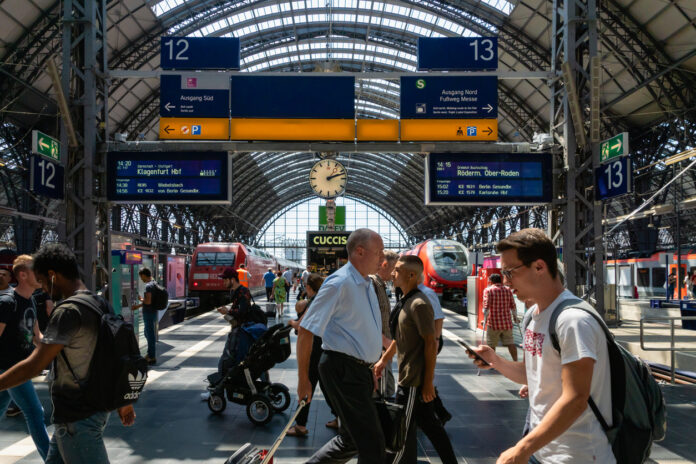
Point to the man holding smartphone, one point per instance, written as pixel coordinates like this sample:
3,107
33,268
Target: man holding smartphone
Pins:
562,427
412,327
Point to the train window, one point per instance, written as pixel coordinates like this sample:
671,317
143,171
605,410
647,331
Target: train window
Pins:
215,259
643,277
611,277
658,277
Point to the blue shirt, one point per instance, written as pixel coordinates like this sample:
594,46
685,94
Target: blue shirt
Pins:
434,301
268,278
345,314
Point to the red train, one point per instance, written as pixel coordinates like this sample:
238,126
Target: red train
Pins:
210,259
447,266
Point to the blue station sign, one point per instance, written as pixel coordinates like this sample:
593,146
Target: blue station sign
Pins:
194,95
293,97
168,178
457,53
46,178
445,97
488,179
199,53
613,178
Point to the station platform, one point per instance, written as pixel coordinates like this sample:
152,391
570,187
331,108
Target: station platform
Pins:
173,425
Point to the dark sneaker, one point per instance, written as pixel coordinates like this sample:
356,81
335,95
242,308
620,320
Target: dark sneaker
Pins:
13,411
150,360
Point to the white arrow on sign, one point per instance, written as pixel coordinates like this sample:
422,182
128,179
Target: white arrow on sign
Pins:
169,106
488,107
42,144
617,146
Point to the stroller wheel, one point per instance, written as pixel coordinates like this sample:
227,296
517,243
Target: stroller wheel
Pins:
259,410
217,403
280,397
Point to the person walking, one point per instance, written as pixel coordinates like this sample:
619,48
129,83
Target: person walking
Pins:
500,310
288,275
412,325
19,332
562,426
279,293
268,278
345,314
70,338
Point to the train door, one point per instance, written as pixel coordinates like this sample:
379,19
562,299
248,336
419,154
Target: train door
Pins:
680,281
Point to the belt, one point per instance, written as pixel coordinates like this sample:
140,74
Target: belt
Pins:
351,358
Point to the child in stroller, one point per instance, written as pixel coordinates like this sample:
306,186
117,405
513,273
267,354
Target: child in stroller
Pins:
240,380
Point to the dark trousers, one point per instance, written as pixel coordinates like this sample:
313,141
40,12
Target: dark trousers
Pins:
269,292
421,415
349,385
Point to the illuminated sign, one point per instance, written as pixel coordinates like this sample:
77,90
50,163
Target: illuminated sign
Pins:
169,178
449,130
129,256
488,178
194,129
449,97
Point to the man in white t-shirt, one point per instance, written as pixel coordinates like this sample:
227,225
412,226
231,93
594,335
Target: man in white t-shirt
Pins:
563,428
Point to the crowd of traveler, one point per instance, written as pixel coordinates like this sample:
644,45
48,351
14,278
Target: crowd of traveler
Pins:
347,335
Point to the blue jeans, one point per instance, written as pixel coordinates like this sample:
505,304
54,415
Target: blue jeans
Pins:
149,321
79,442
25,397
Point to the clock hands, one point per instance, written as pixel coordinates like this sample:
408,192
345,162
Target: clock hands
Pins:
334,175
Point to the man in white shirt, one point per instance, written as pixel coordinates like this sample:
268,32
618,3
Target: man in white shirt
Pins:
289,281
563,429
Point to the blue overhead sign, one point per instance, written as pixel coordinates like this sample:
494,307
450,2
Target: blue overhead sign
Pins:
46,177
449,97
488,179
613,178
457,53
168,178
199,53
195,95
293,97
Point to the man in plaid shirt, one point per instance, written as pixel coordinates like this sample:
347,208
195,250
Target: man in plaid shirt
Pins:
498,306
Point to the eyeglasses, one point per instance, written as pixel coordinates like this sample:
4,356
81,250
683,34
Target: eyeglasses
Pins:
507,273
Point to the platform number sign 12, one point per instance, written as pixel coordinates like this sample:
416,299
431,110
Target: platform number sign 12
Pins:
46,178
613,178
199,53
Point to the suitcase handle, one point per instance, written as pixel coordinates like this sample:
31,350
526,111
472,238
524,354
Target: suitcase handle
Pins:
279,440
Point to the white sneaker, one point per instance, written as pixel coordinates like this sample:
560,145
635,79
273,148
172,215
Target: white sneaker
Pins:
205,396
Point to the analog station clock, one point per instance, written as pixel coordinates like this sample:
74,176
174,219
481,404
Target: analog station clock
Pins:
328,178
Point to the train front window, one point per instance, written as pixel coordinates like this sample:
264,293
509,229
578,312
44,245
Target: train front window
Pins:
449,259
215,259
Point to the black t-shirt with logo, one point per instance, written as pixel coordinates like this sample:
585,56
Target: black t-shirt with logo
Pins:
151,288
19,316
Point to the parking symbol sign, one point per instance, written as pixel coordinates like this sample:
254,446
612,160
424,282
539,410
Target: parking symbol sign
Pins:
195,130
471,131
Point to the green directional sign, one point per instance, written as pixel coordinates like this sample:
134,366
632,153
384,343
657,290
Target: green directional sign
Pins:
615,146
45,145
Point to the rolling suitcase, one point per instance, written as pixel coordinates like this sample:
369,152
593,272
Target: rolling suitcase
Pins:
248,454
270,309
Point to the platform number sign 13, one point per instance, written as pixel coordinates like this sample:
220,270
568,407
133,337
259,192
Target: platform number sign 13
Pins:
46,177
614,178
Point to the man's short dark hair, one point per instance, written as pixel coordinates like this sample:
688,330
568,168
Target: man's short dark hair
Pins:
413,263
314,281
58,258
495,279
145,271
532,244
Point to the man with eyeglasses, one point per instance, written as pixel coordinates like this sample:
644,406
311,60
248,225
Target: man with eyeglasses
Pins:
562,426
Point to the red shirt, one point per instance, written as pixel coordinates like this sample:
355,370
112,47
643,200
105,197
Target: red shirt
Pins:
500,304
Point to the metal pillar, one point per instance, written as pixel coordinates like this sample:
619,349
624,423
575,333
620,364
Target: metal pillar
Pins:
84,67
576,223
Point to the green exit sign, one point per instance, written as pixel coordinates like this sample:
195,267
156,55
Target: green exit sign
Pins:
615,146
45,145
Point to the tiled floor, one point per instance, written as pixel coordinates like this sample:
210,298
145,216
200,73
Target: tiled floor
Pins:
174,425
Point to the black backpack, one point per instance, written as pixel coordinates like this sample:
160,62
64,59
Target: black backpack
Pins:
256,314
638,407
160,296
117,372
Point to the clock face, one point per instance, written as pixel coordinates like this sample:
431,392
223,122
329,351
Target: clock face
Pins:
328,178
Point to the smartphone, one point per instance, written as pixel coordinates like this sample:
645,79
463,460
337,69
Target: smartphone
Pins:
476,355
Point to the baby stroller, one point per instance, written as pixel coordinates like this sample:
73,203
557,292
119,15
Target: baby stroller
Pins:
242,383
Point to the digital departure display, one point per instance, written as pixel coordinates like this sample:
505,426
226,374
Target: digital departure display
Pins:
172,177
488,178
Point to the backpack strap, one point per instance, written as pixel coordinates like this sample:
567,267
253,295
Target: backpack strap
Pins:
577,303
86,301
